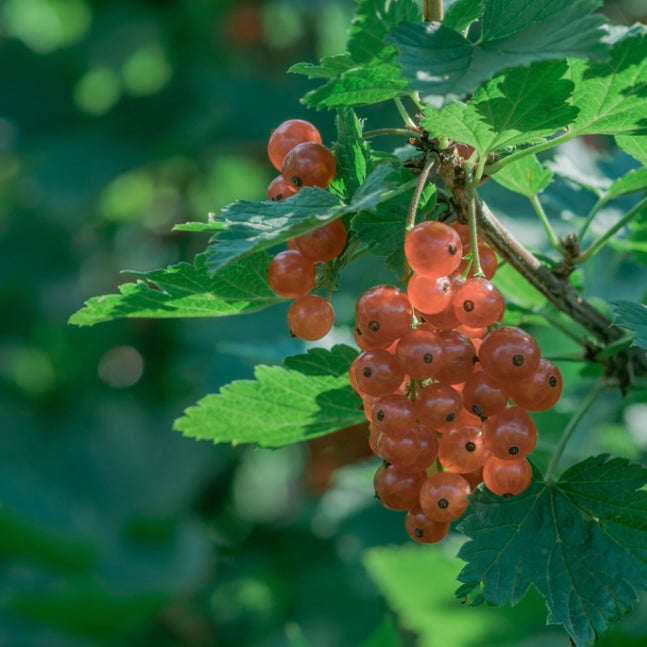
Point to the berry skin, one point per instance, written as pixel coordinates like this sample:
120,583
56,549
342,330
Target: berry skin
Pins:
393,414
433,249
509,354
324,243
288,135
507,478
437,405
539,391
487,260
461,449
309,164
401,451
420,353
378,372
459,357
478,303
443,496
422,529
429,295
383,314
280,190
483,395
290,274
310,317
511,434
395,489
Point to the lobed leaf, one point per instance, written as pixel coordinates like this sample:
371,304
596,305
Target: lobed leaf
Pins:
526,176
610,95
367,74
633,316
310,397
519,106
443,65
588,534
635,146
255,226
186,290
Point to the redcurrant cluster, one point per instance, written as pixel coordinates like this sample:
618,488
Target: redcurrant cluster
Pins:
445,387
296,150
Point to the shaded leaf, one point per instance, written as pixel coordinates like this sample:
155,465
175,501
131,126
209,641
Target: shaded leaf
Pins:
186,290
633,316
517,107
588,534
255,226
310,397
443,65
611,94
525,176
463,13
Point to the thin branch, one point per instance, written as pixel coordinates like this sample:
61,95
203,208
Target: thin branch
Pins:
612,231
579,413
539,210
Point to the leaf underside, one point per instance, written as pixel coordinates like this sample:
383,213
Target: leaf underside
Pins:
581,542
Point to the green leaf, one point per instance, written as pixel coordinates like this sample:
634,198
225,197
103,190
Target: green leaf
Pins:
359,86
525,176
635,146
463,13
610,95
367,74
186,290
587,535
517,107
255,226
632,182
373,20
310,397
353,156
632,316
444,66
381,225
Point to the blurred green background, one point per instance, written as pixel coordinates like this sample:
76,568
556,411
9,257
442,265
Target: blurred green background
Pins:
118,120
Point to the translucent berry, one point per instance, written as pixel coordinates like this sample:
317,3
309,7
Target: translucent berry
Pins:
393,414
478,303
459,357
507,478
443,496
487,260
509,354
395,489
309,164
286,136
429,295
310,317
383,314
461,449
423,529
279,189
433,249
510,434
483,395
540,390
378,372
324,243
420,353
437,404
290,274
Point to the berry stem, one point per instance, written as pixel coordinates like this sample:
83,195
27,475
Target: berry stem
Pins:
539,210
474,245
406,132
409,122
579,413
558,290
612,231
415,200
531,150
433,10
